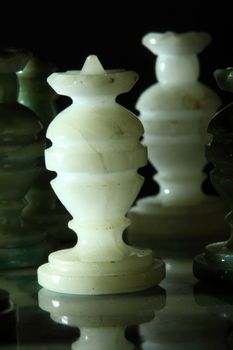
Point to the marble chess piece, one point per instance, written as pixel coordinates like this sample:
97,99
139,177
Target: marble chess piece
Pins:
175,113
96,153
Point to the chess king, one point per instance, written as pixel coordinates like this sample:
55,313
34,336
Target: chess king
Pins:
96,153
175,113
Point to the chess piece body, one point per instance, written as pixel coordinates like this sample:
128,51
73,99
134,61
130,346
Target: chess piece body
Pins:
42,209
96,153
216,263
175,113
20,150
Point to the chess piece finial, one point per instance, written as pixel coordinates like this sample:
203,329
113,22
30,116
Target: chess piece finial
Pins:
102,320
42,209
21,244
175,113
92,65
96,153
216,263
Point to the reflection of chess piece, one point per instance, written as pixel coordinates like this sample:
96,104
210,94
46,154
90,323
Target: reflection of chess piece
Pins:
20,243
7,320
182,324
22,286
42,209
217,304
96,153
216,263
175,113
102,319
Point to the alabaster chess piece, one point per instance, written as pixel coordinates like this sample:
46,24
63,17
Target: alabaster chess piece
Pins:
96,153
175,113
216,263
102,320
43,209
20,150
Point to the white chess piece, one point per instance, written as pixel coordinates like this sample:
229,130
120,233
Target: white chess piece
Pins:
96,153
175,113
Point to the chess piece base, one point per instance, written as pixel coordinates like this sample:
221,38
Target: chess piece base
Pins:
27,256
167,228
66,274
216,271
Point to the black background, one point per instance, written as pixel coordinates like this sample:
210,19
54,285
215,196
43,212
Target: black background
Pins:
66,32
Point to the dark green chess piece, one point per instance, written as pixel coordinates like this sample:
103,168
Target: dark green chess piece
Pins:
20,154
216,263
43,209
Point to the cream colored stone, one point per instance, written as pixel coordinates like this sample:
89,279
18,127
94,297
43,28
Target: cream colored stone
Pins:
96,153
175,113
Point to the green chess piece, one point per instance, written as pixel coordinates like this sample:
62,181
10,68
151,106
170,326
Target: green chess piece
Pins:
43,209
20,153
216,263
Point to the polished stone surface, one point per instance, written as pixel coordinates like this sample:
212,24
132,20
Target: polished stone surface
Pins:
180,314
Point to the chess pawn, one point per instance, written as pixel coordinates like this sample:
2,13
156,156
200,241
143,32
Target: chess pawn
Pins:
96,153
42,209
175,113
216,263
20,243
102,320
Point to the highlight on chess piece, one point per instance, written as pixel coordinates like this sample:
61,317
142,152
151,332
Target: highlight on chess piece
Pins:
42,209
102,320
216,263
175,113
96,153
21,244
